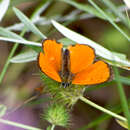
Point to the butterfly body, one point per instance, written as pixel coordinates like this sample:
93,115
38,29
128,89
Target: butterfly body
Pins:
72,65
65,73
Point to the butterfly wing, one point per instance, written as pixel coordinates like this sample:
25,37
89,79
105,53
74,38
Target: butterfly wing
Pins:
81,56
96,73
50,61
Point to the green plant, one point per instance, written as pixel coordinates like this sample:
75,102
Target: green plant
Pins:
68,96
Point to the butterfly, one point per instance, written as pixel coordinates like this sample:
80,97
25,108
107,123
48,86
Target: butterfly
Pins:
72,65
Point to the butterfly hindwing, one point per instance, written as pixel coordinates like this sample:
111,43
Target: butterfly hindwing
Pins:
96,73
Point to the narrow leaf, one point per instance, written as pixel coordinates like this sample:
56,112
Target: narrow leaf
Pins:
101,51
25,57
122,123
6,33
88,9
34,18
41,9
28,23
3,8
16,27
127,2
116,11
20,41
2,110
109,19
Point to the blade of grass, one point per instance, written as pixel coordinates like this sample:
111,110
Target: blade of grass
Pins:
3,8
41,8
88,9
35,17
28,23
127,2
24,57
116,11
103,14
109,19
6,33
122,123
20,41
122,97
3,109
45,21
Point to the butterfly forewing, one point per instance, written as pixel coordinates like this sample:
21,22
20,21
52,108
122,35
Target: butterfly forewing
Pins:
52,51
50,59
81,56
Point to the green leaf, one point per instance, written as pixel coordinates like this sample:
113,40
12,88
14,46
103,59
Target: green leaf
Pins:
127,2
6,33
28,23
20,41
122,56
116,11
88,9
34,18
41,9
122,123
2,110
24,57
3,8
109,19
101,51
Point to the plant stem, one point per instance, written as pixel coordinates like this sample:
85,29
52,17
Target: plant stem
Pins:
18,125
53,126
9,57
124,103
102,109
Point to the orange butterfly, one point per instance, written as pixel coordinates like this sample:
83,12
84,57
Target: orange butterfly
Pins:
74,64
